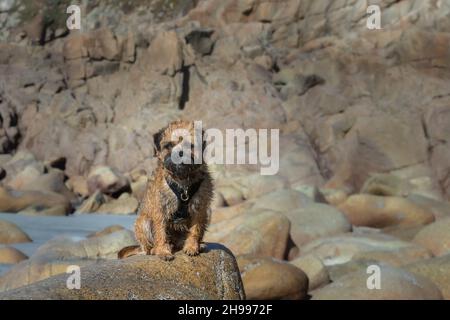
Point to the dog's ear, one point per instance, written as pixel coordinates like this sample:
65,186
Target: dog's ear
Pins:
157,139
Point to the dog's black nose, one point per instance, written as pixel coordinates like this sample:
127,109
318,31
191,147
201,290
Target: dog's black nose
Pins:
181,153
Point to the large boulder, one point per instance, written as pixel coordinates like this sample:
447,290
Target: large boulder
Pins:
54,256
435,237
107,180
22,161
437,270
395,284
379,212
211,275
100,247
249,184
261,233
125,204
105,231
314,269
53,182
394,258
78,185
314,221
280,201
386,185
15,201
10,255
440,209
344,248
92,203
11,233
268,278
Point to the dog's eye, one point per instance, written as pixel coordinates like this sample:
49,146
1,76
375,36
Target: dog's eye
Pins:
167,145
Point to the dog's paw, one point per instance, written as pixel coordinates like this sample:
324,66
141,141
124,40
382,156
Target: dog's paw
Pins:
162,252
167,257
191,249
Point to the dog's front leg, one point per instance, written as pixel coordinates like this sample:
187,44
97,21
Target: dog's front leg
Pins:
199,212
162,246
195,234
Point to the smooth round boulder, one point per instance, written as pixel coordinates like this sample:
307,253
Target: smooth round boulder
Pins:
78,185
268,278
106,231
383,184
281,201
55,255
231,195
316,220
10,255
107,180
126,204
344,248
437,270
11,233
435,237
262,233
314,269
380,212
213,274
16,201
334,196
394,284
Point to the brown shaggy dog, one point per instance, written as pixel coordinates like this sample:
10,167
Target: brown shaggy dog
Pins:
174,213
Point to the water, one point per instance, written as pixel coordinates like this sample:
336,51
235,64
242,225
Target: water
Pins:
42,229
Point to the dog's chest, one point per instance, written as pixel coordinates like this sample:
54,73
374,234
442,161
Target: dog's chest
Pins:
176,211
181,201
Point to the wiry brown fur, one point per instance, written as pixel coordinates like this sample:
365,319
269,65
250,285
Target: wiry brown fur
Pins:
154,231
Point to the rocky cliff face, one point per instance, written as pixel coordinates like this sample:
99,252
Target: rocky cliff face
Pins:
350,101
359,111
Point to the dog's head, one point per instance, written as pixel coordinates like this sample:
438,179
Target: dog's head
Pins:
175,147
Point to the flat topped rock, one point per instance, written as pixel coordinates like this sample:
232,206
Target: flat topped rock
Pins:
211,275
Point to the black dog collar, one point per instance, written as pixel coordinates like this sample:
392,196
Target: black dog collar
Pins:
184,195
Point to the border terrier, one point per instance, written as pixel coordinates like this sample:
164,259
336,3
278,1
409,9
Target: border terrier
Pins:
174,212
